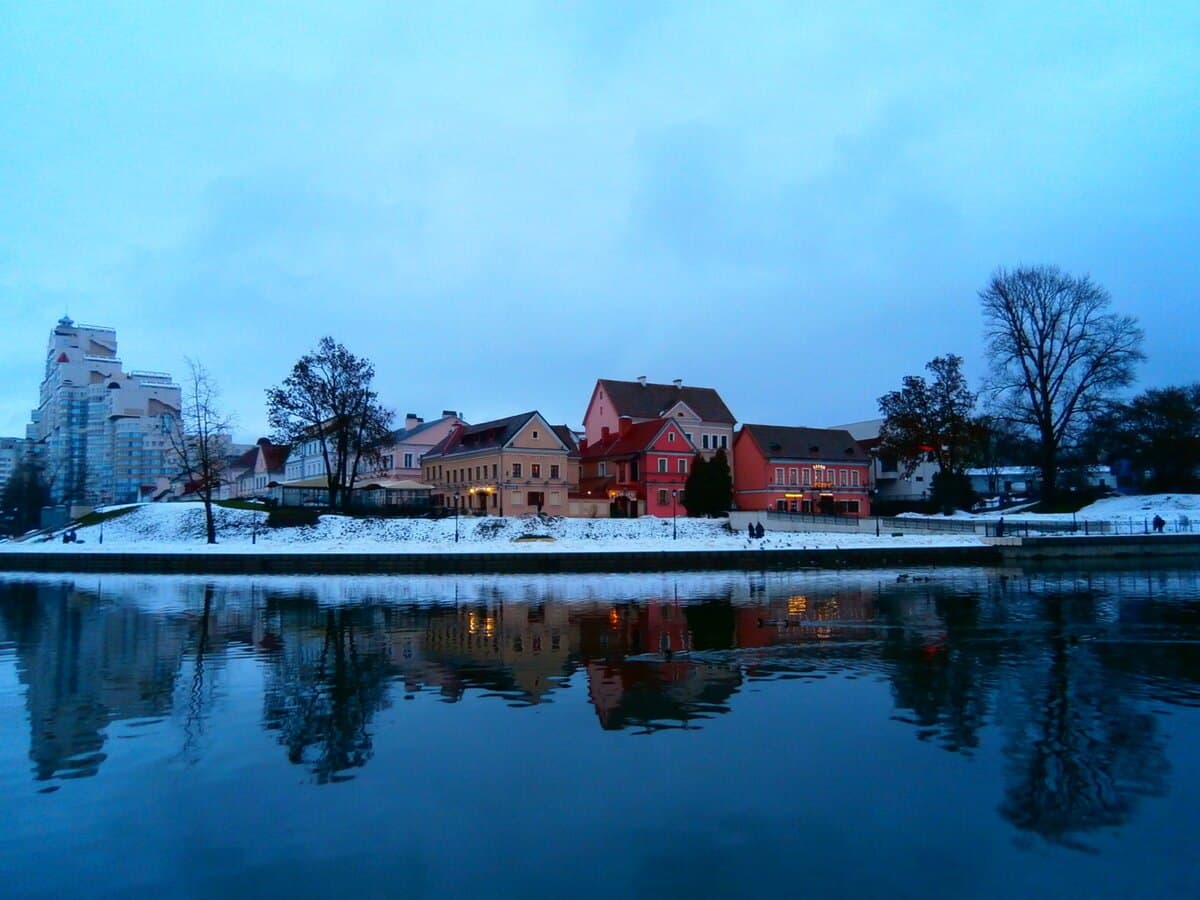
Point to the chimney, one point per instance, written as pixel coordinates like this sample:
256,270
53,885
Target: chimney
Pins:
411,421
582,444
678,382
449,414
604,433
623,425
642,380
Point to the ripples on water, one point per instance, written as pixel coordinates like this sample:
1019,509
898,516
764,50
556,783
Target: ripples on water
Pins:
1058,686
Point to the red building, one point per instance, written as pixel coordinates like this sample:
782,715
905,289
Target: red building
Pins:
812,470
641,467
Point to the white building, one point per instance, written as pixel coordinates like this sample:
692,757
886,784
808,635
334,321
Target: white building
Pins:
887,475
105,434
11,452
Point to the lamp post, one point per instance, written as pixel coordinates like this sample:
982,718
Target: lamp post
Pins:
456,517
674,531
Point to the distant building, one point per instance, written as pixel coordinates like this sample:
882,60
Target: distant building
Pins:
104,434
401,458
887,473
12,450
700,412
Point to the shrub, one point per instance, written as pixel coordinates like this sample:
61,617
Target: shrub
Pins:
292,517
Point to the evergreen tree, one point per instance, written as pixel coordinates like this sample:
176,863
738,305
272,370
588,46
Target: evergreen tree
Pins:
25,493
721,484
695,488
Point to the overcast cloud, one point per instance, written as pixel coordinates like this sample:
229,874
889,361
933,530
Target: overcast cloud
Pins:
499,203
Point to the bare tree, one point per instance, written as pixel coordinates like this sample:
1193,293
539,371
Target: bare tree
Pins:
328,398
201,442
1055,353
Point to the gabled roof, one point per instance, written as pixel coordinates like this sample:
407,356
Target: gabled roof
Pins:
275,455
407,434
567,436
651,401
794,442
494,435
637,439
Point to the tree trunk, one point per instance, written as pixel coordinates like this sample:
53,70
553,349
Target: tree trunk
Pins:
1049,469
210,526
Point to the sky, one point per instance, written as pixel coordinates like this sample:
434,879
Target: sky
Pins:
498,203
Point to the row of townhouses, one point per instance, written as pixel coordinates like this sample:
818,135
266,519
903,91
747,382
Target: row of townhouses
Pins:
632,458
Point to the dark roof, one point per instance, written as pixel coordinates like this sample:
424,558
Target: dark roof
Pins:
275,455
567,436
406,434
650,401
636,439
788,442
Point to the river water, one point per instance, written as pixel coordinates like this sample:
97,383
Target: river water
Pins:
958,733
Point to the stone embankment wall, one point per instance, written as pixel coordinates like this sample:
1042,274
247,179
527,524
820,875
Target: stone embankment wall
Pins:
495,563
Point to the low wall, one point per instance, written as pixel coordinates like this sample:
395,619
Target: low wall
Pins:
495,563
1159,546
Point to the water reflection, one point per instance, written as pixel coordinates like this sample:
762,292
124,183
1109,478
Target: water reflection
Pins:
1064,673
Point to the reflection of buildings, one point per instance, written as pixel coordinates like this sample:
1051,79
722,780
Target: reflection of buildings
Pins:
661,685
85,665
521,650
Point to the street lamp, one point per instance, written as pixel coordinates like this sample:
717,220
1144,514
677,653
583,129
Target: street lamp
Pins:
674,531
456,517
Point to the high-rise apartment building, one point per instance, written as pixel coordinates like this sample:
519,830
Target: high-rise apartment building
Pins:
104,434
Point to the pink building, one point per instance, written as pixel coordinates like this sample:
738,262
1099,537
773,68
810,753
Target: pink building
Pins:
700,412
641,467
809,470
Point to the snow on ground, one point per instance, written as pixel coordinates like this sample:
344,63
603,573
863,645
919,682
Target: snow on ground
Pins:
179,528
1110,509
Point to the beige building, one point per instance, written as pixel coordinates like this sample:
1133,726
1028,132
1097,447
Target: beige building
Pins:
507,467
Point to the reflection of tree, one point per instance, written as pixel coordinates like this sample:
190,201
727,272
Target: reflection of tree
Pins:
329,679
1079,753
942,670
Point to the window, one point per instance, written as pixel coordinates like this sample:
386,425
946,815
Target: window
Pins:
854,478
535,470
779,475
704,441
793,476
682,464
806,476
516,470
408,461
670,437
603,468
553,470
843,477
535,436
493,470
662,464
724,442
781,505
688,435
663,499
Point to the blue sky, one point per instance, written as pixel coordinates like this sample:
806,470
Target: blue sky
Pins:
500,202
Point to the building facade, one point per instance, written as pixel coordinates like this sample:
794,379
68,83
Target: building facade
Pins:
104,433
801,470
700,412
640,467
507,467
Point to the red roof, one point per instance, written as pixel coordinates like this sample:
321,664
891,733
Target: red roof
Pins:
637,438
